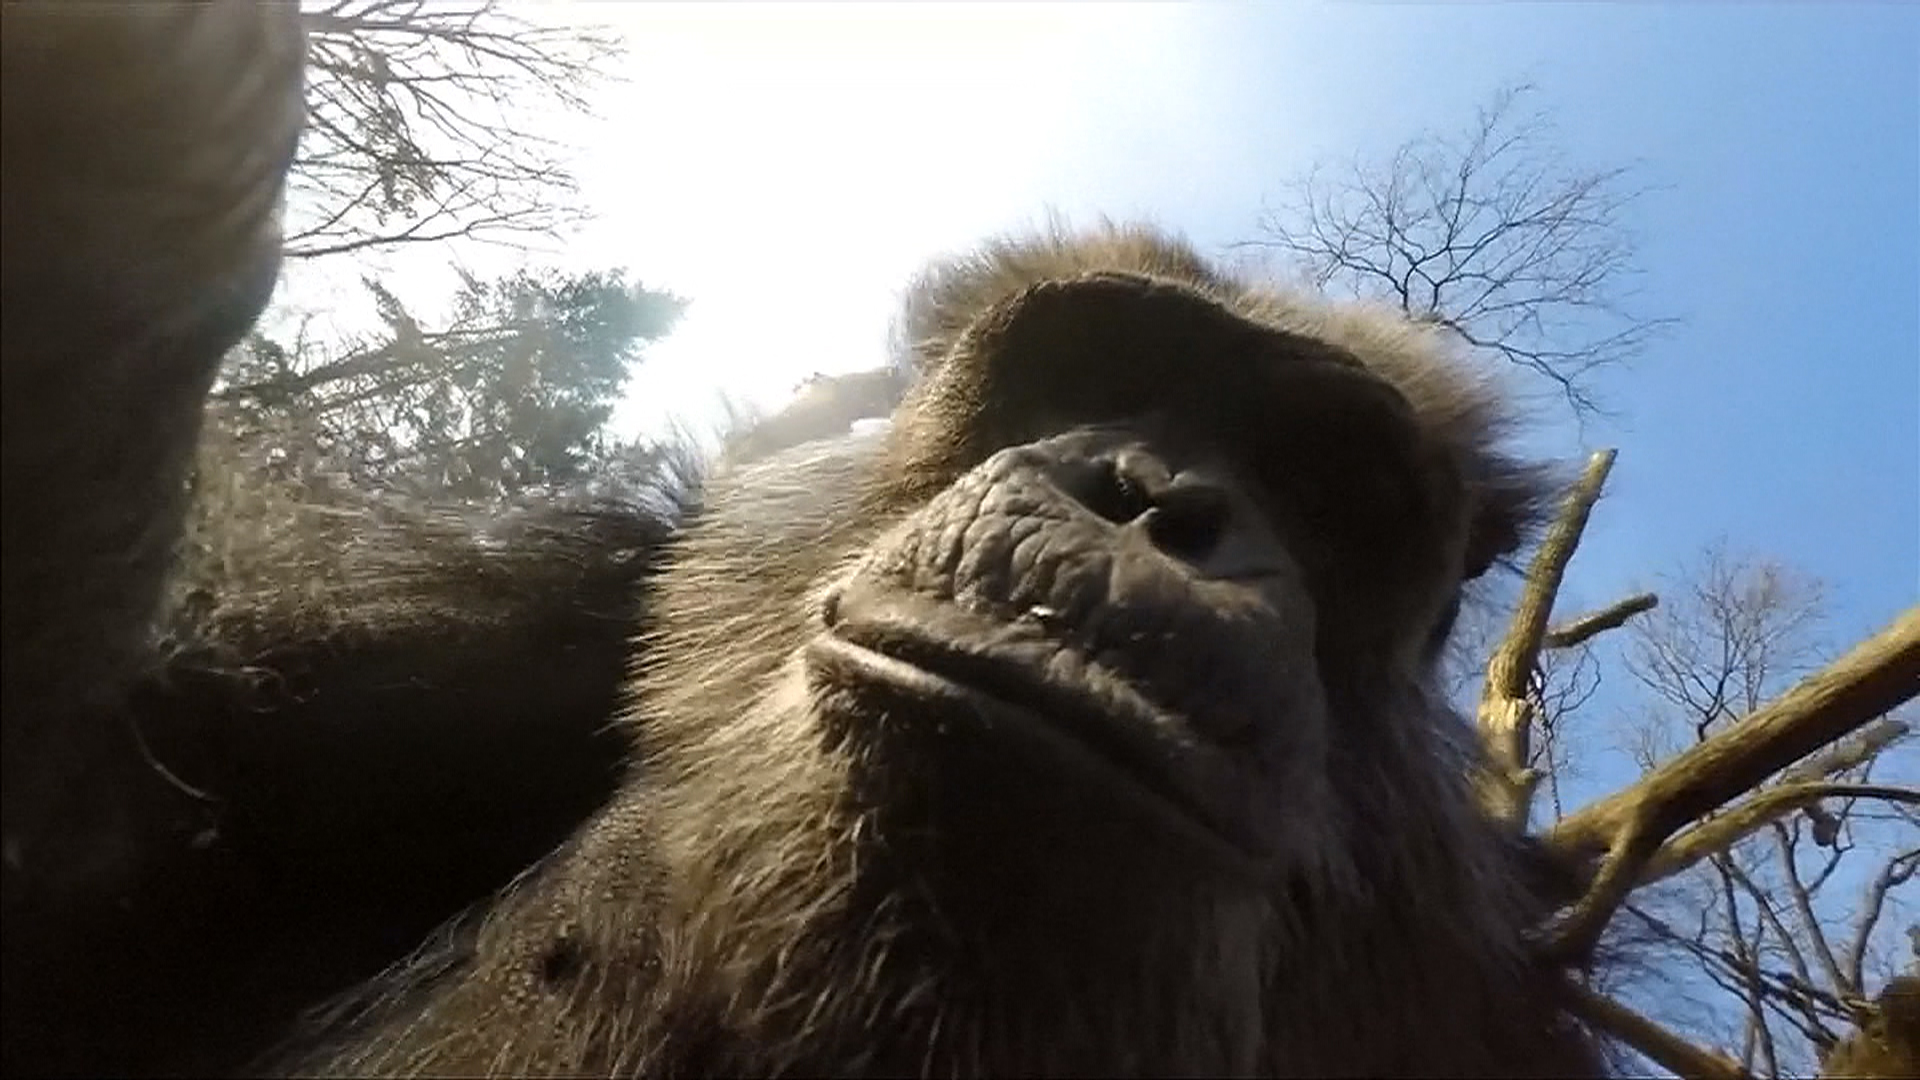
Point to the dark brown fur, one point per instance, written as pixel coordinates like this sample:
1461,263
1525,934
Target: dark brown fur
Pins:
1887,1045
244,772
798,888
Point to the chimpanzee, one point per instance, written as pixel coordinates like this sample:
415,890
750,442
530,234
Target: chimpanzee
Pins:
1082,721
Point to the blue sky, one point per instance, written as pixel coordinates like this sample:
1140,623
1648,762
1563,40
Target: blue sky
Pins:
787,167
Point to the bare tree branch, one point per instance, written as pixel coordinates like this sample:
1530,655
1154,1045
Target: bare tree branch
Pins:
1801,895
1489,235
1662,1047
1748,974
1869,681
1898,871
1719,833
1506,705
1850,753
1874,677
420,124
1578,630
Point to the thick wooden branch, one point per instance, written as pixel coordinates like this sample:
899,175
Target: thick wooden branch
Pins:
1876,676
1871,680
1662,1047
1861,748
1722,832
1795,788
1574,631
1506,710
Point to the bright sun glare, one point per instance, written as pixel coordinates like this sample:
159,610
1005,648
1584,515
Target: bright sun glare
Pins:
786,168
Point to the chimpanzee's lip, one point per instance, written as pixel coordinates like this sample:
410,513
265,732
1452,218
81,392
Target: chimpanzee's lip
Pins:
1111,732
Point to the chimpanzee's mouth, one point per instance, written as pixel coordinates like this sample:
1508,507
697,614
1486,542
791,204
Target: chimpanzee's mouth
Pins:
935,656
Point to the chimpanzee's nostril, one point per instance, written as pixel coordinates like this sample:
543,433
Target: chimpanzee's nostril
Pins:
1113,491
1184,516
1188,519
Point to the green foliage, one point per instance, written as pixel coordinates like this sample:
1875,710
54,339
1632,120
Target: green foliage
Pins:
513,392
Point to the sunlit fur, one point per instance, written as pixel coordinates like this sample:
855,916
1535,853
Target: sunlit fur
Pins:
730,913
